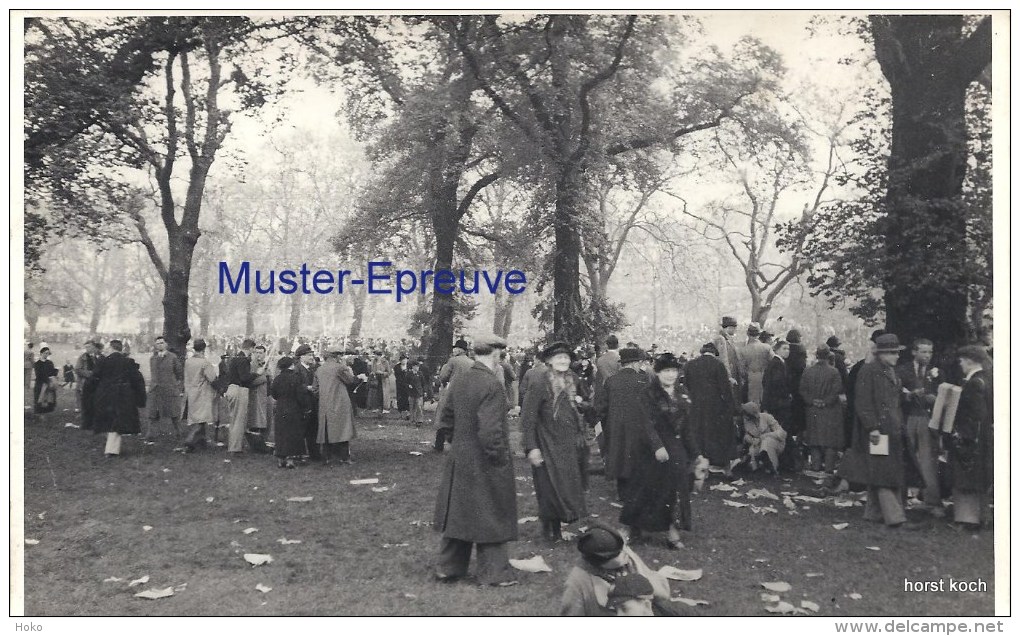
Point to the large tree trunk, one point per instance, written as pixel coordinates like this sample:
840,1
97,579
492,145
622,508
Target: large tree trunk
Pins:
175,292
96,313
295,316
359,311
203,311
928,65
568,319
445,226
503,314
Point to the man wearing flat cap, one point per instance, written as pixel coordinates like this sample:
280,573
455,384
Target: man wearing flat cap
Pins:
457,364
618,407
727,349
476,504
877,455
306,367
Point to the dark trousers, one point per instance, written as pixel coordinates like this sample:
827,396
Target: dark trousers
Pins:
338,450
196,435
624,490
312,434
443,435
493,563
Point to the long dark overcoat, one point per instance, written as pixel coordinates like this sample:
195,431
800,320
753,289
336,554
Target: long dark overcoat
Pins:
477,498
712,408
970,450
119,393
292,402
618,407
552,424
877,396
821,382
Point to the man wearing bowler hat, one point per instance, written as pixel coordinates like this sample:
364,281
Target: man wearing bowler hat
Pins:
457,364
619,408
877,455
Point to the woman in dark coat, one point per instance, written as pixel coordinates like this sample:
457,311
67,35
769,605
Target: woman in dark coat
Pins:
554,442
662,489
293,402
45,393
400,376
970,447
119,393
776,393
712,407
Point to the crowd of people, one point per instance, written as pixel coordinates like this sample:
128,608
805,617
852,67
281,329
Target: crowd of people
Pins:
653,422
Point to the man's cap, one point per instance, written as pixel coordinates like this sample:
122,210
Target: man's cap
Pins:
709,347
461,344
600,543
729,321
888,343
631,354
833,342
302,350
631,586
489,340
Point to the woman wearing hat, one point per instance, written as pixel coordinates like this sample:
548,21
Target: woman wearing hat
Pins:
45,394
970,447
554,441
763,435
292,402
605,560
667,448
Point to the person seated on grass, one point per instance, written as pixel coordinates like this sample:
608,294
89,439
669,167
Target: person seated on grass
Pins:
605,560
764,438
631,596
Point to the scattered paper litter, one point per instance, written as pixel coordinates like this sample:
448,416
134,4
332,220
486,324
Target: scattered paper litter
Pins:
739,482
761,560
31,541
789,503
380,489
250,530
220,444
777,586
527,519
782,607
756,493
677,574
395,545
693,602
808,499
615,505
146,528
769,598
144,579
568,536
263,588
735,504
71,425
855,596
715,469
814,474
415,453
226,461
840,526
258,559
810,605
534,564
812,575
288,541
166,470
410,596
156,593
872,547
299,498
209,499
722,487
789,493
361,482
181,587
113,579
764,510
41,514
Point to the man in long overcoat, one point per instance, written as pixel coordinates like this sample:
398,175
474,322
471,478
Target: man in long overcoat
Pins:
119,393
970,448
457,364
877,413
336,413
477,500
618,405
712,407
166,373
199,374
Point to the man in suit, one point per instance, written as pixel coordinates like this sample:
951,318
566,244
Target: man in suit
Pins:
919,390
727,349
458,363
239,378
619,408
753,360
608,364
306,369
971,450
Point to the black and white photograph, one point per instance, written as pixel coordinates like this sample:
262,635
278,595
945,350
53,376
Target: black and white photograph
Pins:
507,313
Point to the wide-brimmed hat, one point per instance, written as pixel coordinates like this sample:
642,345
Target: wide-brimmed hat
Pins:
667,361
557,347
631,354
888,343
600,543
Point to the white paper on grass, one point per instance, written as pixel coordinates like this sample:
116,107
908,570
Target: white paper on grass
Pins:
735,504
181,587
362,482
71,425
872,547
757,493
789,503
777,586
769,598
31,541
808,499
677,574
299,498
113,579
250,530
840,526
615,505
146,528
693,602
144,579
415,453
722,487
810,605
739,482
395,545
568,536
288,541
782,607
855,596
209,499
764,510
263,588
812,575
380,489
527,519
534,564
258,559
156,593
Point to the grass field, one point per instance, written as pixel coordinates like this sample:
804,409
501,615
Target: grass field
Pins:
87,514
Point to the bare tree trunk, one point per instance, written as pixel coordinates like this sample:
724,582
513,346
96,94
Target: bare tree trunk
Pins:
359,312
249,318
295,316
